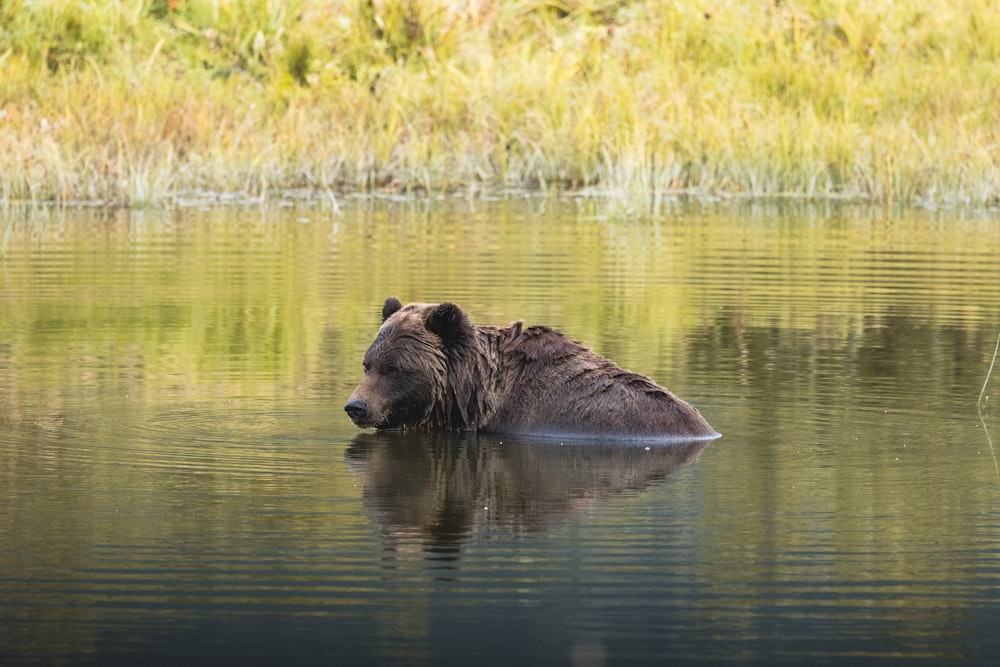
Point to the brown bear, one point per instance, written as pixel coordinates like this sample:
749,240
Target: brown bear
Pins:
430,367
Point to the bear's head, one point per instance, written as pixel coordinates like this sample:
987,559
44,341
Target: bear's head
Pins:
406,368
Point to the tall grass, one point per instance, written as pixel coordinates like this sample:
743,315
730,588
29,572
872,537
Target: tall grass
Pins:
135,102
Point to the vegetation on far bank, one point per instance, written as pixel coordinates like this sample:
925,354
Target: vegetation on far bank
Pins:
131,102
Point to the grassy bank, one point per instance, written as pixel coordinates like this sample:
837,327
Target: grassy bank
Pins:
132,102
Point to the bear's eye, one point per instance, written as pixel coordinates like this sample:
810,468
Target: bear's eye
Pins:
391,368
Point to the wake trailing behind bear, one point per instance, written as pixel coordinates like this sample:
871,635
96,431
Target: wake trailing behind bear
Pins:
429,367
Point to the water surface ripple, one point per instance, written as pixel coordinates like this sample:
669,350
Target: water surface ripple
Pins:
178,482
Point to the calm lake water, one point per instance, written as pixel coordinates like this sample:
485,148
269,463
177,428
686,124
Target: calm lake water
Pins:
179,483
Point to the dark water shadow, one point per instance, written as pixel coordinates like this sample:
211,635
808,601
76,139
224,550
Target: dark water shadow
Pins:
436,488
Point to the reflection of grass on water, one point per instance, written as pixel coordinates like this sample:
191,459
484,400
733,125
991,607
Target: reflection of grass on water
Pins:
132,101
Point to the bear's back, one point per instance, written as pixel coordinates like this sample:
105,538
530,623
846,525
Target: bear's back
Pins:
554,385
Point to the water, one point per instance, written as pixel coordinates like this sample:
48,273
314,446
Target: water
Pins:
179,483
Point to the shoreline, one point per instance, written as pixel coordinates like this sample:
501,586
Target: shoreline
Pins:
588,204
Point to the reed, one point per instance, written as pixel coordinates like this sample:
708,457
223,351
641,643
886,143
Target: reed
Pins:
983,397
136,102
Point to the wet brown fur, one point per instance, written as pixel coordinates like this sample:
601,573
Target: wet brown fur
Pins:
429,367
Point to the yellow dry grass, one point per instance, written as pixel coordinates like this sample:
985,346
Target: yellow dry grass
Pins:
136,102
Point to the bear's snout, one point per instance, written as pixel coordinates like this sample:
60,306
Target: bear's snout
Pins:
357,410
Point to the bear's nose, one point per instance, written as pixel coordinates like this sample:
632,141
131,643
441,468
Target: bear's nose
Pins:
356,409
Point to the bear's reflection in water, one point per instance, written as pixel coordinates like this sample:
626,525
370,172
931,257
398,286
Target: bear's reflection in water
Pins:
433,489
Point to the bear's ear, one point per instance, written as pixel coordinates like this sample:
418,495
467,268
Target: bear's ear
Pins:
449,322
391,305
